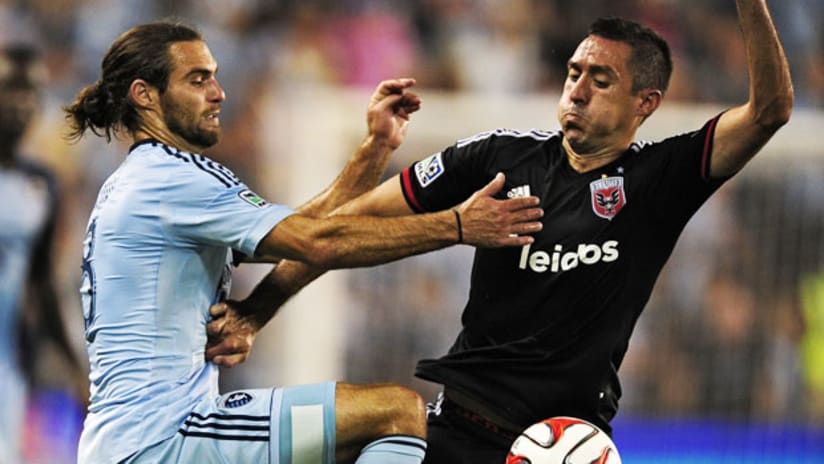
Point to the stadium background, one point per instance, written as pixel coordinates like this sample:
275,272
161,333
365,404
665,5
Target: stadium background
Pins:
727,363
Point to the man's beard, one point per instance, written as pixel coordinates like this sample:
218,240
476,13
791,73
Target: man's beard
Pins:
175,117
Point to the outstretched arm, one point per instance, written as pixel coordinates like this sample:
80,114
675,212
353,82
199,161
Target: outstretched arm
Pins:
366,240
387,120
744,130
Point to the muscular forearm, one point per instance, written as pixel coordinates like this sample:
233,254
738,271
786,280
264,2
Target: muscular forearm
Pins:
387,118
355,241
771,91
742,131
276,288
361,173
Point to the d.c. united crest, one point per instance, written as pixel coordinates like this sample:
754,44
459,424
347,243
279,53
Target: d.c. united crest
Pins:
608,196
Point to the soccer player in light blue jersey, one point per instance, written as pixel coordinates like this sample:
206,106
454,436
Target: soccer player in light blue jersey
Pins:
29,312
168,226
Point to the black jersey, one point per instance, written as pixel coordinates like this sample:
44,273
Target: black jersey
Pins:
547,325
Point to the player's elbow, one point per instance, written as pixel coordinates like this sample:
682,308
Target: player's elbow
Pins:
323,254
305,239
318,246
776,112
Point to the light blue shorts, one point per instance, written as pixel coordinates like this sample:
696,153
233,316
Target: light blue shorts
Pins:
269,425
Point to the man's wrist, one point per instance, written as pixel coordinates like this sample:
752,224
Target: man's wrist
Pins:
377,143
253,313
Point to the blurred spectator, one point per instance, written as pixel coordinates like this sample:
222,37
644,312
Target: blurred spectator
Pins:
32,336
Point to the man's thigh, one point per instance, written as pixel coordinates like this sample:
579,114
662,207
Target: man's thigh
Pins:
274,425
453,440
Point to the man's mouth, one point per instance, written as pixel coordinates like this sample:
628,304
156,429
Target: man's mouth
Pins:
573,120
572,114
214,116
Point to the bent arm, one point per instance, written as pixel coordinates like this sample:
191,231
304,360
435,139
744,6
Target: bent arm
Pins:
290,276
340,241
354,241
349,241
387,119
744,130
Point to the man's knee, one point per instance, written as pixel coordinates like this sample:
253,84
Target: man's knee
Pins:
408,414
381,410
365,413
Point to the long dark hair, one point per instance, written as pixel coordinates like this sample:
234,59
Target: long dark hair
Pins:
139,53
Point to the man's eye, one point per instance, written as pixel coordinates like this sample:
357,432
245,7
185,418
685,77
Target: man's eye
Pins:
601,84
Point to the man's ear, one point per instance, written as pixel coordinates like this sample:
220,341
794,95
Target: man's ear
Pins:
143,94
650,100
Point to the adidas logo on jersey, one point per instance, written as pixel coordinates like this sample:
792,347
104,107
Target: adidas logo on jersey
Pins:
519,192
558,261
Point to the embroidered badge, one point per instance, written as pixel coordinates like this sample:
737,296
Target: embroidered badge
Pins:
237,399
252,198
429,169
608,196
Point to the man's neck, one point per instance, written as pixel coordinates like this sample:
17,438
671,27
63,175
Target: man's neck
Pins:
166,139
582,163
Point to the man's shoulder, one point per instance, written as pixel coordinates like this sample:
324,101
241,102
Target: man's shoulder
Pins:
177,162
511,136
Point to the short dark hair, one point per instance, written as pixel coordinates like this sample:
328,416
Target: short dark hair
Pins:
142,52
650,63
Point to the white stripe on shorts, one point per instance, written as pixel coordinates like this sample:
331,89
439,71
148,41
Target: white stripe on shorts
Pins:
307,432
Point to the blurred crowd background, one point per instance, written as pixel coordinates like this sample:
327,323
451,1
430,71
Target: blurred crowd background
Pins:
735,328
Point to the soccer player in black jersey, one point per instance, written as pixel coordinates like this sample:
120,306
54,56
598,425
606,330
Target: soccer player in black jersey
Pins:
547,326
30,316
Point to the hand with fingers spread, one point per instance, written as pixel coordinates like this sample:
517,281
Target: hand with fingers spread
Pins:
489,222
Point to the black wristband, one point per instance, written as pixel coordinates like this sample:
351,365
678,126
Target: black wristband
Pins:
460,228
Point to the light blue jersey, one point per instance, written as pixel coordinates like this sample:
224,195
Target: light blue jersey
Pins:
26,209
156,255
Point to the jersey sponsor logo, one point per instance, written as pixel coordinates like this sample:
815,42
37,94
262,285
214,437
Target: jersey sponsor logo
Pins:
608,196
519,192
252,198
559,261
429,169
237,399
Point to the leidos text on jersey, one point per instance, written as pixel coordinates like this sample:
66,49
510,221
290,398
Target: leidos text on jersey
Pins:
586,253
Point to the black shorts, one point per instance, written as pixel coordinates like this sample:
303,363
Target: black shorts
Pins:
456,436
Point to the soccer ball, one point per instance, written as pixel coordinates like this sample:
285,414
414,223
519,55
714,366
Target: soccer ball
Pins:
563,440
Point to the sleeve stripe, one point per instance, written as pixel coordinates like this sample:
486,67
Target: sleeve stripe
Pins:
706,156
408,193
